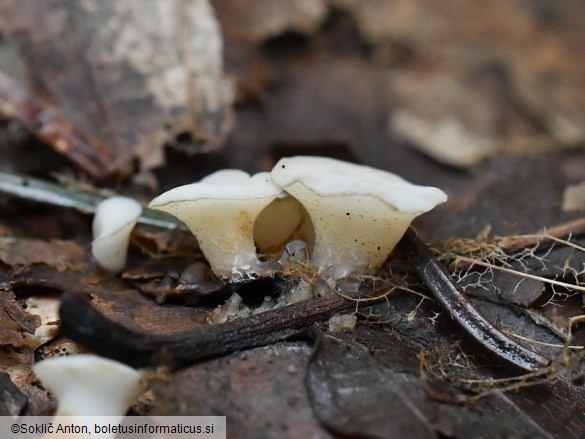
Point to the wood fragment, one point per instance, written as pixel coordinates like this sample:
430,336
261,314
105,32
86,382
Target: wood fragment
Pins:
81,322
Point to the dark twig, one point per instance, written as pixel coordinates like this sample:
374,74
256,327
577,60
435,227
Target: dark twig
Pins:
462,311
81,322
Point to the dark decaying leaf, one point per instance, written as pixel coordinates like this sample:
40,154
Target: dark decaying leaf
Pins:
370,390
352,395
42,278
260,392
560,408
132,75
12,401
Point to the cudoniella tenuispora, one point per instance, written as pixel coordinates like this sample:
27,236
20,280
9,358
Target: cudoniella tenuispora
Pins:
220,210
88,385
114,219
351,216
358,213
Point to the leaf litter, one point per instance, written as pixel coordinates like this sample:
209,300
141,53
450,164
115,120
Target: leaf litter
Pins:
401,326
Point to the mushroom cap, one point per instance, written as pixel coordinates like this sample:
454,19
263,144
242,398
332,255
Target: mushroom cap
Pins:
89,385
113,222
227,184
329,177
220,211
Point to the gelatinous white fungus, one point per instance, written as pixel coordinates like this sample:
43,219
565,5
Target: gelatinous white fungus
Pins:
87,385
220,210
113,222
358,213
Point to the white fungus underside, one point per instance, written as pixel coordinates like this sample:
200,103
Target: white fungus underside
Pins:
354,234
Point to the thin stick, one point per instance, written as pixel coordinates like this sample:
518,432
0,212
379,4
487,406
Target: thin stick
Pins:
81,322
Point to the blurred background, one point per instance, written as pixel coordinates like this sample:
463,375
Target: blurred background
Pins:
485,102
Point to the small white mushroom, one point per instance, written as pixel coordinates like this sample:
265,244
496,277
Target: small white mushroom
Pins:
113,222
86,385
220,211
358,213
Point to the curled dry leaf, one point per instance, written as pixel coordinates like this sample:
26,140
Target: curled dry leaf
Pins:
134,75
51,127
63,255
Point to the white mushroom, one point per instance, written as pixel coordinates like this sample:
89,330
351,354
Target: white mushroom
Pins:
220,211
358,213
113,222
86,385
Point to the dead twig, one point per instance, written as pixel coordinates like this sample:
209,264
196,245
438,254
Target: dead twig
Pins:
81,322
462,311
